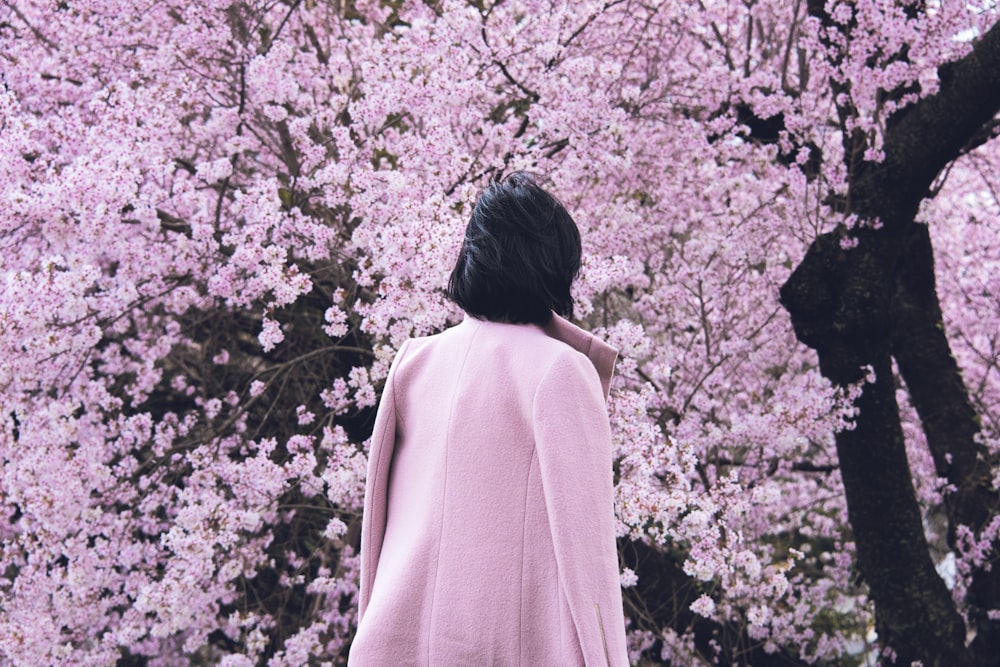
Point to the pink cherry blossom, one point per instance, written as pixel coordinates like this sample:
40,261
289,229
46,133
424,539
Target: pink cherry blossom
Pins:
222,219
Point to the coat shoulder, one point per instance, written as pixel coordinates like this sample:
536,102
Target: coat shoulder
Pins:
525,345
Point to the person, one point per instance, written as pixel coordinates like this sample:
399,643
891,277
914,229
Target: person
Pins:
488,534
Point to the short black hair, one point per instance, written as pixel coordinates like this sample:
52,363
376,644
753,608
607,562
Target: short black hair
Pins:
520,255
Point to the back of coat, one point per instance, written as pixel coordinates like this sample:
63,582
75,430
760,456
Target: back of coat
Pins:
488,536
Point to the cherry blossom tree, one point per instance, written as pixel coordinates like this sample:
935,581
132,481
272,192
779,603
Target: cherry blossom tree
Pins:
222,218
872,300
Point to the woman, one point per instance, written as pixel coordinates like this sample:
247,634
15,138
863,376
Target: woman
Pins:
488,533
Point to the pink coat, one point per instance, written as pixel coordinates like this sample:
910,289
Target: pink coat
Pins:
488,531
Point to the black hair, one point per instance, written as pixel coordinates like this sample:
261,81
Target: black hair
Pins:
520,255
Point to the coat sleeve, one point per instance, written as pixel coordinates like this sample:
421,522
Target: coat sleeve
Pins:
573,445
380,452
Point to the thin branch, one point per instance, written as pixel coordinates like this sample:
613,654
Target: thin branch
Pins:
48,43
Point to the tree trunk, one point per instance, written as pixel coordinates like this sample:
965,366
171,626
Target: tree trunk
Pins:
839,303
950,423
856,308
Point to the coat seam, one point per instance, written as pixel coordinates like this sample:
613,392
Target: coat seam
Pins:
402,353
369,584
394,413
604,639
524,530
444,491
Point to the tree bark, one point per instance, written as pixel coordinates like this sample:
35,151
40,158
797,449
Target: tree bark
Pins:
860,307
950,423
839,303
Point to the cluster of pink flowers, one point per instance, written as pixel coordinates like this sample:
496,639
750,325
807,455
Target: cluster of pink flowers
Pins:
222,219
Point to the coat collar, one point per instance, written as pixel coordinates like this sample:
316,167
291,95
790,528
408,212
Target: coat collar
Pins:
602,355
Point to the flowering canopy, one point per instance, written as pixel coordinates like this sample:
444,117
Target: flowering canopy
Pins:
221,219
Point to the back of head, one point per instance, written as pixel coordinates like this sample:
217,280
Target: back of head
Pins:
520,255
